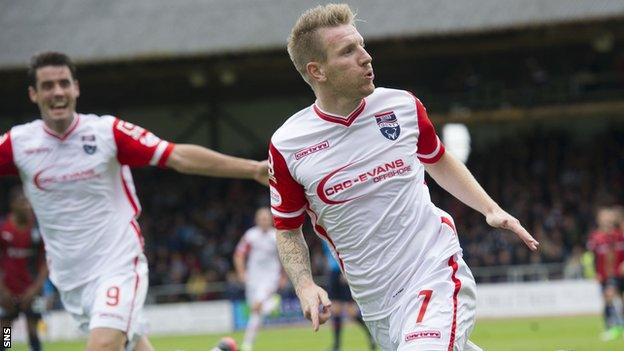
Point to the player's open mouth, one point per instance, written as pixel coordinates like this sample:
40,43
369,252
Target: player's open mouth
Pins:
370,75
59,106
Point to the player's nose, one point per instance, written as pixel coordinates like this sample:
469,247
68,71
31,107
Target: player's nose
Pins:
57,89
366,58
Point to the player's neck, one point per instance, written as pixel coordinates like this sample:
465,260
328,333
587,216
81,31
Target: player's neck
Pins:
339,106
59,126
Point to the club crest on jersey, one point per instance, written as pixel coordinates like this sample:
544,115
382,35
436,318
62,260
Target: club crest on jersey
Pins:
89,149
89,145
388,125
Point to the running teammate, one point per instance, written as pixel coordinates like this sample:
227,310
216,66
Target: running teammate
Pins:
257,265
75,171
355,162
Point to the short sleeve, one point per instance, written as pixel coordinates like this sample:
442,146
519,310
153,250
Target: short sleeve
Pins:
287,196
138,147
7,165
243,247
429,148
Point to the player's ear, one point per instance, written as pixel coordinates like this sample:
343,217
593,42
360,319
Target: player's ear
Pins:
77,87
32,94
315,71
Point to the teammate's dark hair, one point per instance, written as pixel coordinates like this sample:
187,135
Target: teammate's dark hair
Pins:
48,58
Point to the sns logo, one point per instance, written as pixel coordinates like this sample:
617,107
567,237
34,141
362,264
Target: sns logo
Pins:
4,138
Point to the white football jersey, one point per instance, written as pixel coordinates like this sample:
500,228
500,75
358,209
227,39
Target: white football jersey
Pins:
82,192
263,263
361,180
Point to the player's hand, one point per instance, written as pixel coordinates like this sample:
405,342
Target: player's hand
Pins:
262,172
503,220
315,304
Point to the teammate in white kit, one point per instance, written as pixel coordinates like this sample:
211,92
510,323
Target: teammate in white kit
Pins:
257,265
355,162
75,172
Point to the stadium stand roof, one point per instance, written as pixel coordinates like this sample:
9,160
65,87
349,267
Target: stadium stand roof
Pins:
93,31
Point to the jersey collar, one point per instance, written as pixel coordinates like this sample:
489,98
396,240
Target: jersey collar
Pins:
345,121
69,130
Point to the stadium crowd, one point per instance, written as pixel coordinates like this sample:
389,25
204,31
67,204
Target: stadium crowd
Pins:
551,181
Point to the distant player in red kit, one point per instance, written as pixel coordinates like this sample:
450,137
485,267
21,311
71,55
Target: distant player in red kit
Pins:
21,253
606,242
75,169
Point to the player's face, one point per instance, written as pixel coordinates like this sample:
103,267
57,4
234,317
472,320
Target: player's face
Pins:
55,93
348,67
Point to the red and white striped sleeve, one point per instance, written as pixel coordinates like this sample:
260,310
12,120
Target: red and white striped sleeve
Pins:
138,147
7,165
429,148
288,199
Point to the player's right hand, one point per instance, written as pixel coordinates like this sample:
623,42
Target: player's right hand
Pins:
315,305
503,220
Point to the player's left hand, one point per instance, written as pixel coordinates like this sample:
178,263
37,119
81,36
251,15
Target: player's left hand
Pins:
501,219
262,173
315,304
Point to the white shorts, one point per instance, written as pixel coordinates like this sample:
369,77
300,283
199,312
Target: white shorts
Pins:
260,291
437,313
114,300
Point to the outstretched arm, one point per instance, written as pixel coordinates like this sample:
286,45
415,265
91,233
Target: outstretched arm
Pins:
295,257
454,177
195,159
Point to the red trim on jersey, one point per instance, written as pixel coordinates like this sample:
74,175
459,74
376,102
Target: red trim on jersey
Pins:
126,189
162,163
453,264
291,194
136,146
7,165
69,130
428,140
448,222
136,287
137,229
322,233
345,121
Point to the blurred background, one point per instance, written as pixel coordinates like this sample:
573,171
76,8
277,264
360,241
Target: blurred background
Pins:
538,84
